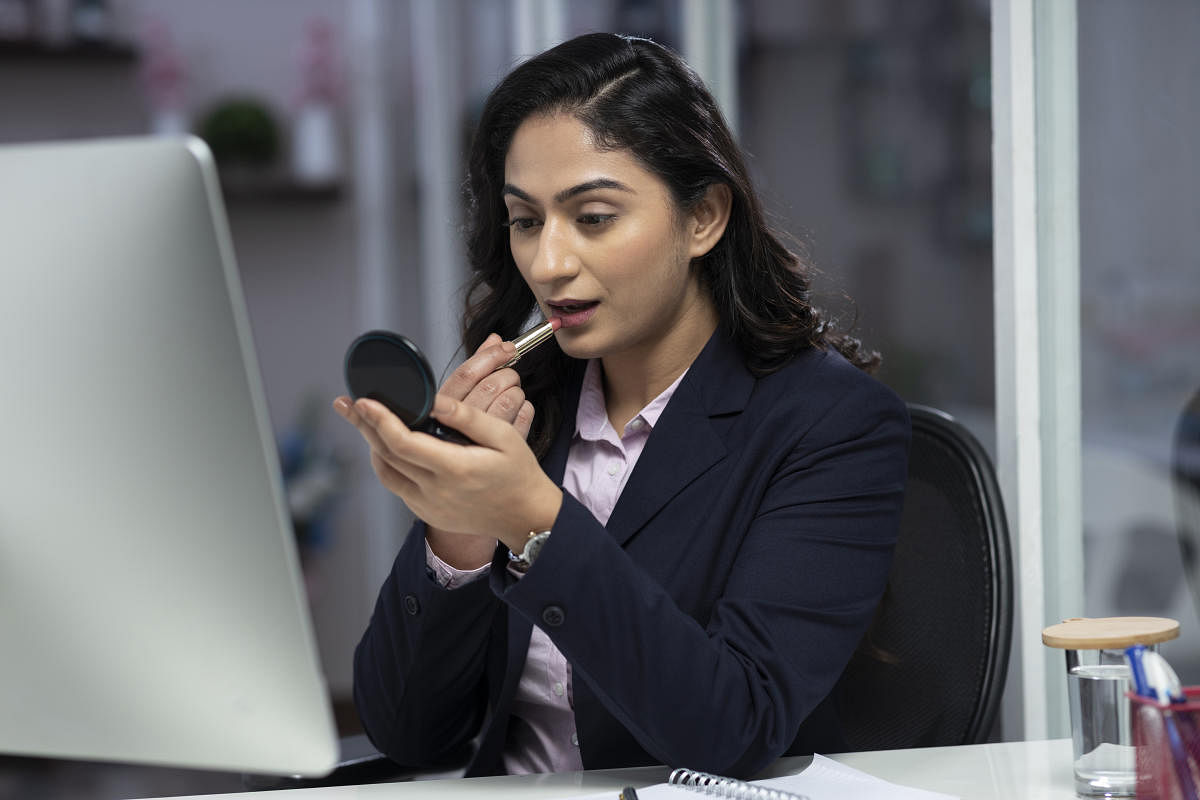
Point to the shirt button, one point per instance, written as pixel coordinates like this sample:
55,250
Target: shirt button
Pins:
559,689
554,616
636,424
613,469
575,739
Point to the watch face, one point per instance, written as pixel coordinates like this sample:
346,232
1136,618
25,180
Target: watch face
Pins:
534,546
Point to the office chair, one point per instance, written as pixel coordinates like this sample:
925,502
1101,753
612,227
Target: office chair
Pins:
931,670
1185,470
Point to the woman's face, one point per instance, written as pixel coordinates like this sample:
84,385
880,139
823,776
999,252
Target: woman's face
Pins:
600,242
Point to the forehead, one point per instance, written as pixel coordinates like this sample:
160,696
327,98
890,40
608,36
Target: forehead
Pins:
550,153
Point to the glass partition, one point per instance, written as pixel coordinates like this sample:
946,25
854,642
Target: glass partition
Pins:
869,130
1139,207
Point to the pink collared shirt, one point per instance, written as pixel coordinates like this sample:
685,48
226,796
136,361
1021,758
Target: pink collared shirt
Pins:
542,736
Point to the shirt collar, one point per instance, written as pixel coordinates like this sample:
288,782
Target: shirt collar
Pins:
591,417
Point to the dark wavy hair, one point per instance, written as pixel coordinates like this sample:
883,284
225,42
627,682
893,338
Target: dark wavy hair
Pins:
638,96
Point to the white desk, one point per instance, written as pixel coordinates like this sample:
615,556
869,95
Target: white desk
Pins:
1026,770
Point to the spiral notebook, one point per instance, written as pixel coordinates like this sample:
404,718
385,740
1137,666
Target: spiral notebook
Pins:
824,779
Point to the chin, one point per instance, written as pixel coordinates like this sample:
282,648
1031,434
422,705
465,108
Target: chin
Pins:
579,347
581,353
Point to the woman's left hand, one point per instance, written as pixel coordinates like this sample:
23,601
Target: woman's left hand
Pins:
495,484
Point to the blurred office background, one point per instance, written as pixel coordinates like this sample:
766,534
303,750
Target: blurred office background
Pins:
868,125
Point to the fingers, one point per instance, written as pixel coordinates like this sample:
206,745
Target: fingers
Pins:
392,479
482,428
415,455
490,356
482,383
524,420
508,405
459,487
388,437
499,394
348,409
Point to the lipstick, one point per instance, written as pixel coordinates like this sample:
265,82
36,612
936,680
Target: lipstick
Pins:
532,338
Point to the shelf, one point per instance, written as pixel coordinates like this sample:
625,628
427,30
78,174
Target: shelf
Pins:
73,52
279,190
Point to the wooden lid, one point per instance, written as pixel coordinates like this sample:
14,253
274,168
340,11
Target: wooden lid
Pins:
1109,633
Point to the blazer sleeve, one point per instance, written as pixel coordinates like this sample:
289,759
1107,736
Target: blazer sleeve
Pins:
727,690
419,669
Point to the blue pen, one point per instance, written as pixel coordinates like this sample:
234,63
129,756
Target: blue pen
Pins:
1137,671
1179,758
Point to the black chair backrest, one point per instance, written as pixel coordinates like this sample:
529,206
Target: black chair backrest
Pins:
1185,469
932,669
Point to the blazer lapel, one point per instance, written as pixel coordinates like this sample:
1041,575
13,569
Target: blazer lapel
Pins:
684,444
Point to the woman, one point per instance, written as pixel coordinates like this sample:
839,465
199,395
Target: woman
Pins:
703,482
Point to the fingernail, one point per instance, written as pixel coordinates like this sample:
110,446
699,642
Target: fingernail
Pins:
342,405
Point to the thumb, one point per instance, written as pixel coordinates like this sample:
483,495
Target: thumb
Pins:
478,426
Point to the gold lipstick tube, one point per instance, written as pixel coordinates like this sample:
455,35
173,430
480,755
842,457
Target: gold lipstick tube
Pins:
531,339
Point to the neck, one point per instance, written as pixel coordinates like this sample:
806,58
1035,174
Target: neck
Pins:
635,377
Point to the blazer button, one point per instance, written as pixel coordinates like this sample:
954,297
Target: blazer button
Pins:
412,605
554,616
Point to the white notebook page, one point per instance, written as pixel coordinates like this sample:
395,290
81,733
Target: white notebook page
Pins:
824,779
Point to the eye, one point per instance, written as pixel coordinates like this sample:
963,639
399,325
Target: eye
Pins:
596,219
522,224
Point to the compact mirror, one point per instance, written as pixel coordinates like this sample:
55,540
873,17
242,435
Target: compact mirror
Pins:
390,369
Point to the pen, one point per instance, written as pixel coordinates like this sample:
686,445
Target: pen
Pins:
627,793
1179,758
1137,672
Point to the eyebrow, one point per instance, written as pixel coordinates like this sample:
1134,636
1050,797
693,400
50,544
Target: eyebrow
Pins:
567,194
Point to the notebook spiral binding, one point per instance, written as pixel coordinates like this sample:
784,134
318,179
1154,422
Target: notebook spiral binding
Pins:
730,788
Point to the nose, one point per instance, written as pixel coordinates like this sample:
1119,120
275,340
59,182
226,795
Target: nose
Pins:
555,259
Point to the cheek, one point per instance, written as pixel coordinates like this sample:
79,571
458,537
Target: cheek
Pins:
656,249
665,263
521,258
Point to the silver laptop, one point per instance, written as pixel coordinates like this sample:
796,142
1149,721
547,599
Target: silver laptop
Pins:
151,606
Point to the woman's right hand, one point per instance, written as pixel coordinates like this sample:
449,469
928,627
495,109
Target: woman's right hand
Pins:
480,382
477,383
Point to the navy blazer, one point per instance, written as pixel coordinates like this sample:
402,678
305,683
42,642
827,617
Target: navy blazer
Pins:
707,623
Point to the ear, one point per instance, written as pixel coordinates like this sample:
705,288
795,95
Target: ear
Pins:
706,222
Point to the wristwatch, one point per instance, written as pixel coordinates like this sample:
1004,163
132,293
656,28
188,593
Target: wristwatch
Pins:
533,546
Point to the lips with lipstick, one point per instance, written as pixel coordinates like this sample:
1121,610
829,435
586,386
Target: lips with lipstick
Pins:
572,313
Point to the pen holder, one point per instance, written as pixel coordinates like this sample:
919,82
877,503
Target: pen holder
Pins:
1097,676
1166,740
